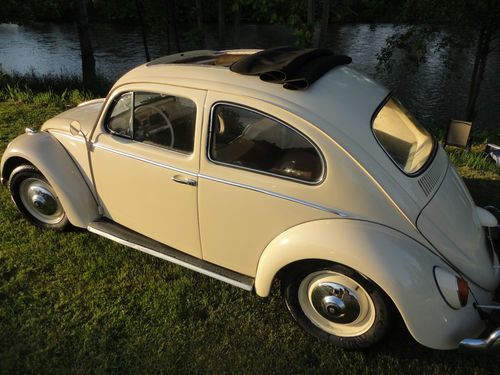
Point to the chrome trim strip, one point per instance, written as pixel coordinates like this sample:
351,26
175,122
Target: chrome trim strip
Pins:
263,114
276,195
273,194
171,259
166,166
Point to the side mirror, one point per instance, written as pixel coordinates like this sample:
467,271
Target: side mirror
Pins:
75,127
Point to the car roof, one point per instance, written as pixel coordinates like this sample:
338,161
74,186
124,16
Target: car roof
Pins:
341,103
331,97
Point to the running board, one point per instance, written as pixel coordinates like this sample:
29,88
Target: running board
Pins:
122,235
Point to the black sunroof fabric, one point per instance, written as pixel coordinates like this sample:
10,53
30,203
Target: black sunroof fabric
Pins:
295,68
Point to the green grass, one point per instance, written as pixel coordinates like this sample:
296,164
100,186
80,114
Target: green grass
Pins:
77,303
51,89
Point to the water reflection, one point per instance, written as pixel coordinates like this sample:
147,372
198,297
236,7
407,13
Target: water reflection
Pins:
432,93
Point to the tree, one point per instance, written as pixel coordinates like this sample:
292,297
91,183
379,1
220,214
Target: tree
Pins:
199,22
33,10
236,22
325,19
221,23
143,29
310,13
173,37
88,61
457,24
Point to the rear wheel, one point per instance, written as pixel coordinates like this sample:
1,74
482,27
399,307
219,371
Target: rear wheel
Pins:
338,305
36,199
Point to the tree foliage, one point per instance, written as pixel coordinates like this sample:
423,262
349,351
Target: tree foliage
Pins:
34,10
432,26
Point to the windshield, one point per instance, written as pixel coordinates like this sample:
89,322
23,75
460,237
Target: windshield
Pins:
402,137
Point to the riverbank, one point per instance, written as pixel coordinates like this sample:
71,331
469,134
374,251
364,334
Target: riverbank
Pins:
434,92
49,88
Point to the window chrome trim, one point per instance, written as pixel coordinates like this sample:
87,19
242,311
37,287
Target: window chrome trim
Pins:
209,143
139,158
276,195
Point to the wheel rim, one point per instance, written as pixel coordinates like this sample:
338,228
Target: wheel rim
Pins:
336,303
41,201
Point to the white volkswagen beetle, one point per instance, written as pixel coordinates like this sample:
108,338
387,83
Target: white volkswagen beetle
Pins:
253,165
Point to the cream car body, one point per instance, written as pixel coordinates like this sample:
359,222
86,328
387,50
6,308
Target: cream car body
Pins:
244,226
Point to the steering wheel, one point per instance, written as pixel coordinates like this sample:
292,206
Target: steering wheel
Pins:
145,124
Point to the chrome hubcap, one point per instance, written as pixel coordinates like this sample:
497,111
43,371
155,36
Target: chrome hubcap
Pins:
336,303
40,201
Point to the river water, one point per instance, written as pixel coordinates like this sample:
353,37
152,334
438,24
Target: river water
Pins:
434,93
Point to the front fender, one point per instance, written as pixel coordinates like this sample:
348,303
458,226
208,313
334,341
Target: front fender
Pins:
49,156
399,265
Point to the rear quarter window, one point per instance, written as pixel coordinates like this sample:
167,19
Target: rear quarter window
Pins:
248,139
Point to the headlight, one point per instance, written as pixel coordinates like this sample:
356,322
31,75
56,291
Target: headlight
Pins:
454,289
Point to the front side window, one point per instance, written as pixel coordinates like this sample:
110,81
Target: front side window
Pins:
158,119
250,140
402,137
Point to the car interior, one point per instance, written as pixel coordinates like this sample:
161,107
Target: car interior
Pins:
263,144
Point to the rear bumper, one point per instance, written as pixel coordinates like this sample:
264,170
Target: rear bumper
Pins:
489,343
491,338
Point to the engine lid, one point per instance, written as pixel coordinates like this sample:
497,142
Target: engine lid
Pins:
450,221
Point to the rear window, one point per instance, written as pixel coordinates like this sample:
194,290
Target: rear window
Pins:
408,143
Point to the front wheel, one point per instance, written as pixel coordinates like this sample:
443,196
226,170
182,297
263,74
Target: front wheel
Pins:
36,199
338,305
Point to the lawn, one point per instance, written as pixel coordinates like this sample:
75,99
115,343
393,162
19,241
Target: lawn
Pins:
78,303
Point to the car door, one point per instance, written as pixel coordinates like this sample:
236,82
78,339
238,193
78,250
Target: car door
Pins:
259,175
145,161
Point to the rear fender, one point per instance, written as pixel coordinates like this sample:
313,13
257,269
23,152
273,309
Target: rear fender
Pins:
398,264
49,156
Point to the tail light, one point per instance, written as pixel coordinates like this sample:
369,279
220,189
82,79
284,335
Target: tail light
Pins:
454,289
463,291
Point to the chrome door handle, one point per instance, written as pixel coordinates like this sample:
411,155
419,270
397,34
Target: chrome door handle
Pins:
184,180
